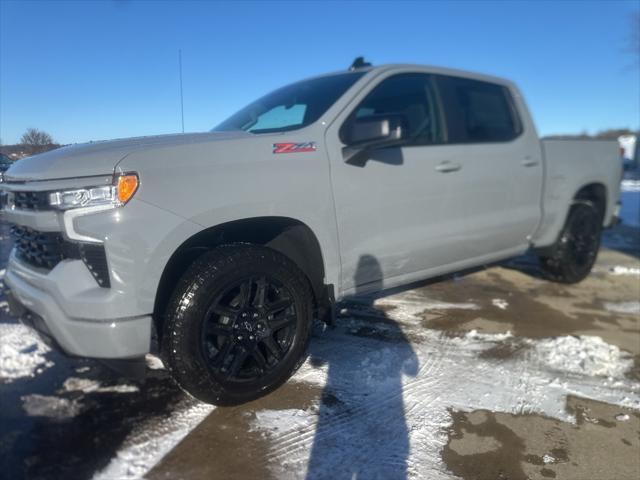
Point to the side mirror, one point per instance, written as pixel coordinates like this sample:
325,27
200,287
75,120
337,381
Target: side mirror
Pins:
376,131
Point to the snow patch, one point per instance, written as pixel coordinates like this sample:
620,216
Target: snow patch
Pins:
87,385
622,270
49,406
119,389
153,362
450,306
411,305
622,417
632,307
629,185
284,421
150,441
22,353
486,337
500,303
584,355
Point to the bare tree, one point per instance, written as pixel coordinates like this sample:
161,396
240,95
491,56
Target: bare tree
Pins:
36,138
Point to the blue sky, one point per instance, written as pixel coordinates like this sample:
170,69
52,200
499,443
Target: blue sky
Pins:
97,70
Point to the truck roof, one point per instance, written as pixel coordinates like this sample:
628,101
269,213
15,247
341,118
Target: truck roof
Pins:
404,67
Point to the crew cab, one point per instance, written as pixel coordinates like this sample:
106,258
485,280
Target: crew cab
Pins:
226,244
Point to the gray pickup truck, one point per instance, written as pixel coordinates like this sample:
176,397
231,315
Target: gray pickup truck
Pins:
226,244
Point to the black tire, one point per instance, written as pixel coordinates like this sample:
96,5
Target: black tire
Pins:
575,252
238,324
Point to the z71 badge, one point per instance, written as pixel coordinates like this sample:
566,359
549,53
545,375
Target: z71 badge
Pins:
294,147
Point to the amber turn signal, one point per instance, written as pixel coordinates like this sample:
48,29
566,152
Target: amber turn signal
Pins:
127,186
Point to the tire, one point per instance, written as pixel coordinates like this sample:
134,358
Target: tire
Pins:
576,250
237,325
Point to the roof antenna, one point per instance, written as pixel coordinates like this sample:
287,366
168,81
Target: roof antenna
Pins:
359,63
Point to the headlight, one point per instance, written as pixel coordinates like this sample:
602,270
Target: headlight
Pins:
116,195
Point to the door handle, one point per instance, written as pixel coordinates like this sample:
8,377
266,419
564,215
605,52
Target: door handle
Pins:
529,162
446,167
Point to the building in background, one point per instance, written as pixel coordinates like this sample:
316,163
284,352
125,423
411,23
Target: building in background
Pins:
629,151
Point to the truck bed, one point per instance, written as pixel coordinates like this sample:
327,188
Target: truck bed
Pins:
569,165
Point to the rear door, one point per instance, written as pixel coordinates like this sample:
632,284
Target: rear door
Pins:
501,181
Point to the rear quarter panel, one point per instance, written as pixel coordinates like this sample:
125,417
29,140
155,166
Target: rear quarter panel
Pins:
569,166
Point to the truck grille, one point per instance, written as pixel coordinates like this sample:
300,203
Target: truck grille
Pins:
40,249
47,249
95,258
31,201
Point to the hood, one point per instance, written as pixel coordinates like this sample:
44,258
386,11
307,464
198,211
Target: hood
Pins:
99,158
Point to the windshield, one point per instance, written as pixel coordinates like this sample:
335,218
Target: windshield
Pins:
291,107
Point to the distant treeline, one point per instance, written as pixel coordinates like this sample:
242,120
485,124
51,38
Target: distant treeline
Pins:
611,134
21,150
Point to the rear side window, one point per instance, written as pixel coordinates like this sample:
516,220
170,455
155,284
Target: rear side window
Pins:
412,96
478,112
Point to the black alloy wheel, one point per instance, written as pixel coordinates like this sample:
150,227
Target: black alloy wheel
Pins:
238,324
582,238
248,329
575,252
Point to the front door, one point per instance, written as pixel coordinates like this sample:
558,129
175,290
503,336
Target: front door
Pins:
395,210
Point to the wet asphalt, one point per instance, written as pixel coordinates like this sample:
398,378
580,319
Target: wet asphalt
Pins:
479,443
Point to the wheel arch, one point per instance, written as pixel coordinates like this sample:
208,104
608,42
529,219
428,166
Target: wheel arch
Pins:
288,236
596,193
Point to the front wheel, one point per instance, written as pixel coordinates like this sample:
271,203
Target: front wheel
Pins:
238,324
576,250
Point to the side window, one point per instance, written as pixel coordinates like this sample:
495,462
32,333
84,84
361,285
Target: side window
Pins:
412,96
478,111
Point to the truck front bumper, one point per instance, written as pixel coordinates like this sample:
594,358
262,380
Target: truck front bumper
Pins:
88,336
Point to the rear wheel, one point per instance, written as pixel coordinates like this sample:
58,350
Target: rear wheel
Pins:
576,250
238,324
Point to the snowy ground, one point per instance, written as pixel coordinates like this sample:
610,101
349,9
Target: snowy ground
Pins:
494,369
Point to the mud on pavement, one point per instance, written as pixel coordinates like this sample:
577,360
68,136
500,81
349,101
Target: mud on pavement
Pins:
603,443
